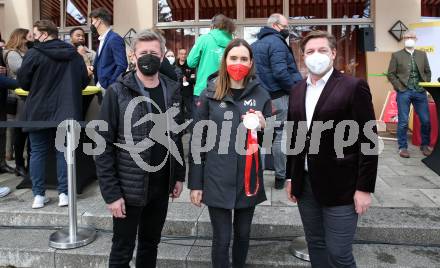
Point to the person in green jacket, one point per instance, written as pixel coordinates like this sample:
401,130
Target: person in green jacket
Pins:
208,51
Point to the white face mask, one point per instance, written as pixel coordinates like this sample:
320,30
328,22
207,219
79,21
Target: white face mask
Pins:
318,63
410,43
171,59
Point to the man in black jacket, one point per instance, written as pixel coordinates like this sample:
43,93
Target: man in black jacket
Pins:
54,74
142,165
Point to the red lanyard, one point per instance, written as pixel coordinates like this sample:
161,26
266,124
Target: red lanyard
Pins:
251,153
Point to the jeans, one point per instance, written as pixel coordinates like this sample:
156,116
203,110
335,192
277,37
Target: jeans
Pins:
147,222
221,221
329,231
41,142
280,107
420,102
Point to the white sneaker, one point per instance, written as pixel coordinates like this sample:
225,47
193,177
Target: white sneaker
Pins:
40,201
4,191
63,200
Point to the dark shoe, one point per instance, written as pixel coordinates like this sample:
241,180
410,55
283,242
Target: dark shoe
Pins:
426,151
279,184
20,171
404,153
6,169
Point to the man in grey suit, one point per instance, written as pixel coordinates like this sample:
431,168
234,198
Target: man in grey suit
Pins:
408,67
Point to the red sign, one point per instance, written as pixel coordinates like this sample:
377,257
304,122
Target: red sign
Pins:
390,112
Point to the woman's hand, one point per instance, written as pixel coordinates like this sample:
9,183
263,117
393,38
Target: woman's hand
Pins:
196,197
260,118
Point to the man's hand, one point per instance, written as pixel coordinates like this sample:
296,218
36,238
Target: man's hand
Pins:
177,190
196,197
290,196
82,50
90,70
117,208
2,70
362,201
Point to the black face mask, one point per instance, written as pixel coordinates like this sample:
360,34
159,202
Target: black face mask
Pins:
148,64
94,30
284,33
29,44
37,40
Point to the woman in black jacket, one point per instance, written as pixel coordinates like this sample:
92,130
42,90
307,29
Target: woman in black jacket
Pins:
225,179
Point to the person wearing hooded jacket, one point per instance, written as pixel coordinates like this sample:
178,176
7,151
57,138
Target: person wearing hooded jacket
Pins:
278,74
216,178
54,74
207,52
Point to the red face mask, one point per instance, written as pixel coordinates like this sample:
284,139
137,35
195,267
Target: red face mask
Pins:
237,71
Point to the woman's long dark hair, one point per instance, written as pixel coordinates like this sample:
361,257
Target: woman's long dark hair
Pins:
223,84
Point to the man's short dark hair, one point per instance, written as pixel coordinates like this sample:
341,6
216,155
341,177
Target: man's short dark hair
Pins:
103,14
47,26
318,34
76,29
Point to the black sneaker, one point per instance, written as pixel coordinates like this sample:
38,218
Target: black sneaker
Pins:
279,183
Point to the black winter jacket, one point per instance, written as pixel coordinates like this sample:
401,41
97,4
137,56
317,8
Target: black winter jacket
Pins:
221,176
54,74
118,174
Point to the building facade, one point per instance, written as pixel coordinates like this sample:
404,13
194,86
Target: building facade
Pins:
182,21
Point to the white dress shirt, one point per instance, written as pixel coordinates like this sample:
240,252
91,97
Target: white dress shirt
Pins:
313,93
101,39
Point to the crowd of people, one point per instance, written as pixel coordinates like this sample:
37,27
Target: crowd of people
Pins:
222,79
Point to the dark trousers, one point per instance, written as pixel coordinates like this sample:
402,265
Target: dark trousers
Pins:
187,106
19,145
5,84
329,231
3,117
145,222
420,102
221,221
